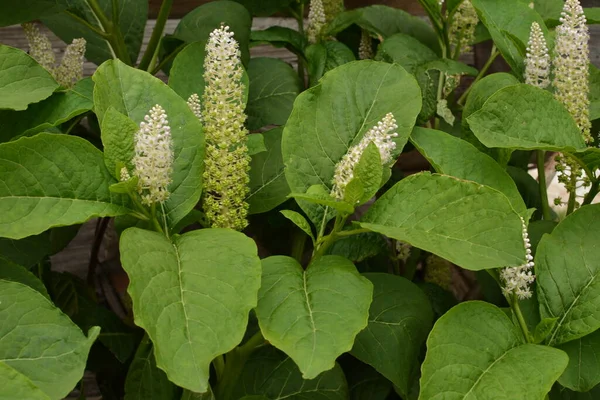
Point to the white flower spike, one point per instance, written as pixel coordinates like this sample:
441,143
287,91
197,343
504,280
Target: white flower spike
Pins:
537,62
316,20
382,136
70,69
153,159
517,280
40,48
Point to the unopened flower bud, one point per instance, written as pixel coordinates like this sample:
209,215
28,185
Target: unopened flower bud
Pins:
537,62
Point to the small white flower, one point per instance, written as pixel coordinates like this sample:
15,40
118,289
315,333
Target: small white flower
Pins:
462,29
124,176
194,104
365,48
537,62
40,48
153,160
381,135
517,280
316,20
70,69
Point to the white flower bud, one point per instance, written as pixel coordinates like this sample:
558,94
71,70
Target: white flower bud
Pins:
517,280
537,62
382,136
194,104
153,159
316,20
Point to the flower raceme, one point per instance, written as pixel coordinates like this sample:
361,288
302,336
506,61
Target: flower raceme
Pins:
382,136
537,61
571,63
227,161
70,69
517,280
153,159
462,29
316,20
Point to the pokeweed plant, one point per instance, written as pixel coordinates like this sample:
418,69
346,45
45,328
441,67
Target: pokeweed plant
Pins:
274,247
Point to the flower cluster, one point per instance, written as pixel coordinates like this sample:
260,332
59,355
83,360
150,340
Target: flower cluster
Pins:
70,69
227,161
381,135
153,159
517,280
194,104
332,8
365,47
571,63
537,62
462,29
316,20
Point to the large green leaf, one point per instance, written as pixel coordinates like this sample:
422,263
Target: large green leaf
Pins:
16,273
471,225
385,21
272,374
132,22
58,108
334,115
450,155
12,13
324,56
280,36
525,117
313,315
475,352
40,346
268,187
583,372
27,251
200,22
274,86
399,320
133,92
53,180
567,264
506,21
405,50
22,80
192,295
364,382
117,133
144,380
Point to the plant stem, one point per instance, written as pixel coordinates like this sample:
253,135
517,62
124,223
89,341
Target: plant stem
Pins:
154,219
592,193
112,32
152,49
572,194
494,53
541,161
168,58
87,24
234,364
514,305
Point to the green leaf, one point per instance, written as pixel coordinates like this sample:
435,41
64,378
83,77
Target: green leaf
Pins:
357,248
400,318
368,172
133,93
22,80
18,386
273,87
255,143
269,374
144,380
53,180
186,76
191,295
324,56
471,225
405,50
506,18
583,372
189,395
475,351
58,108
313,315
16,273
12,13
525,117
280,36
27,251
385,21
561,393
365,382
199,23
132,22
543,329
334,115
300,222
118,132
318,194
268,187
52,357
594,92
567,264
453,156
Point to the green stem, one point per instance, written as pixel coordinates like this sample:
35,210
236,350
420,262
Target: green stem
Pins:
152,49
112,32
480,75
514,305
439,97
87,24
168,58
234,364
592,193
154,219
541,161
572,193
